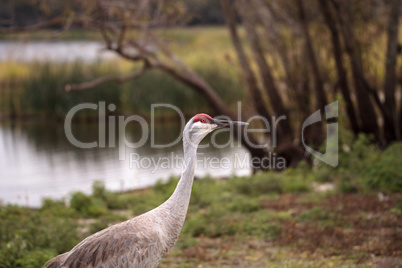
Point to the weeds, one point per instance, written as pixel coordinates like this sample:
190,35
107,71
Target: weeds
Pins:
364,168
30,237
317,214
38,89
270,206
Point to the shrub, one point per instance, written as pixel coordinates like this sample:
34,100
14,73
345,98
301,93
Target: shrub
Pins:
87,206
186,242
195,225
97,226
30,237
317,215
207,191
36,258
290,181
143,203
99,190
261,183
295,181
265,229
386,172
363,167
56,208
397,208
165,189
244,204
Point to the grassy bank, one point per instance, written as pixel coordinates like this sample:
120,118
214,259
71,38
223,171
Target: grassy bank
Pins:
37,88
230,223
266,220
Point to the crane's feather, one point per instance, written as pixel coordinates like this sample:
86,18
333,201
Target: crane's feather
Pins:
127,244
141,241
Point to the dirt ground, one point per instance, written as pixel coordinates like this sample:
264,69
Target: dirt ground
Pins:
321,231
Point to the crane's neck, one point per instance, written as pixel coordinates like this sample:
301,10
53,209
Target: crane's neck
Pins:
180,198
173,212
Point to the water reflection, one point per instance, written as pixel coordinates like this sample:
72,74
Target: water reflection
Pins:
65,51
38,161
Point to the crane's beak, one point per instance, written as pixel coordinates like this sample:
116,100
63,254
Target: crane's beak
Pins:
226,123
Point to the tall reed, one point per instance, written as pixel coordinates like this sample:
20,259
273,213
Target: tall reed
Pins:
40,91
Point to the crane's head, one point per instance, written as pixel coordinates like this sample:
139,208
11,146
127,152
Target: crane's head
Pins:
202,124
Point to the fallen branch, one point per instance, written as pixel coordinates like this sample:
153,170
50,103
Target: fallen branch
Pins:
108,78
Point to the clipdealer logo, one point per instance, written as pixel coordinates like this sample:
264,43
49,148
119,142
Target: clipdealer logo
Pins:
330,156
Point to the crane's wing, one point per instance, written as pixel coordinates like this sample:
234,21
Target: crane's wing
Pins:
57,261
121,245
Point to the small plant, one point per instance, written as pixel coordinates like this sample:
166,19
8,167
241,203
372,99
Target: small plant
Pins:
31,237
363,167
317,215
87,206
397,209
386,172
97,226
186,242
244,204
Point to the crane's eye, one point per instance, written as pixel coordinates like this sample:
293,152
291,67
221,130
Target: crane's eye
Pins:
203,121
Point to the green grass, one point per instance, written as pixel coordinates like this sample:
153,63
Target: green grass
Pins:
363,167
38,89
276,208
30,237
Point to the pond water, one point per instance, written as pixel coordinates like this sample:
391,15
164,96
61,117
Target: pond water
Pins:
57,51
37,160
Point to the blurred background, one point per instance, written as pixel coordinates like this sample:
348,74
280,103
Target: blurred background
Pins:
277,58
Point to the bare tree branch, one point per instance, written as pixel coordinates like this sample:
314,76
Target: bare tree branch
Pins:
108,78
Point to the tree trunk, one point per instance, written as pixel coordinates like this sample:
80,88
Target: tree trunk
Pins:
342,78
321,98
391,130
365,106
400,121
248,18
251,80
318,83
264,15
268,18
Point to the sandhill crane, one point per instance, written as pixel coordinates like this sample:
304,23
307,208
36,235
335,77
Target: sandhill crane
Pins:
143,240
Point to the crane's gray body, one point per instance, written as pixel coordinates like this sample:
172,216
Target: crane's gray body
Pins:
143,240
